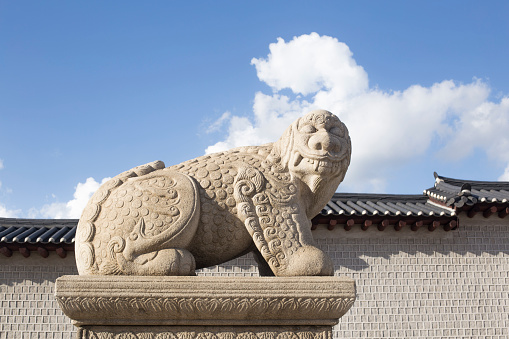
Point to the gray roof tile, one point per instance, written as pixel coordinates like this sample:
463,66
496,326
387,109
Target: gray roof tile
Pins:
44,238
60,236
37,231
383,204
9,237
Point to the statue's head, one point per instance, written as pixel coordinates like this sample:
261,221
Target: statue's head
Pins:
317,143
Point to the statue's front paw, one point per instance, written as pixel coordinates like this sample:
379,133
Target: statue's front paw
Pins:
309,261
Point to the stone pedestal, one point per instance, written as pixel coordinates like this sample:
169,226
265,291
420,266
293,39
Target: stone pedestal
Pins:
204,307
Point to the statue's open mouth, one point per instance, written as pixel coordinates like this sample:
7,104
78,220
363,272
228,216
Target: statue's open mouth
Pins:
324,160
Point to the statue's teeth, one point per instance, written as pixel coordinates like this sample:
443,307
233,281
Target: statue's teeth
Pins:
317,164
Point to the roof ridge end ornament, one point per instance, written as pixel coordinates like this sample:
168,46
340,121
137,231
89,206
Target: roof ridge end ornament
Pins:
465,190
437,178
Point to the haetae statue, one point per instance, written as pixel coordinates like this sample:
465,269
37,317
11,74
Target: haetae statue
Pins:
153,220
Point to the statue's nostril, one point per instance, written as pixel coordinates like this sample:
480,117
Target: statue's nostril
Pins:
336,147
321,142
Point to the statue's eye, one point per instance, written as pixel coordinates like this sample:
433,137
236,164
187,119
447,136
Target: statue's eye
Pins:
336,131
308,129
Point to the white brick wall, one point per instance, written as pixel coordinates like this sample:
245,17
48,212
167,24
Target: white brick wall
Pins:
409,284
425,284
29,309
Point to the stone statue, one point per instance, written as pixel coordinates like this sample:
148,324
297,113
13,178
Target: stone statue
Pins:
153,220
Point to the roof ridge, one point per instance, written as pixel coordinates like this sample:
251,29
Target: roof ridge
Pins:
33,222
377,195
449,180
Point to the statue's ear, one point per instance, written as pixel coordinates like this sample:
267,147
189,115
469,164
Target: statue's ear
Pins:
285,144
281,149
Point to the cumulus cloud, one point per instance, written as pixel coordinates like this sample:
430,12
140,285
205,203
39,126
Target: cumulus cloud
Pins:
216,125
73,208
482,125
311,63
505,175
388,128
6,213
1,167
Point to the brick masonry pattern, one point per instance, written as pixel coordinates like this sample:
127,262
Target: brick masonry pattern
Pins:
409,284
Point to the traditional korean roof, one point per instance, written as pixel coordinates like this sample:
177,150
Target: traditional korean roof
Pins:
39,235
383,205
382,210
438,207
470,196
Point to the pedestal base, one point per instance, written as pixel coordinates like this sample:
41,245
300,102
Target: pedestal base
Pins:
120,307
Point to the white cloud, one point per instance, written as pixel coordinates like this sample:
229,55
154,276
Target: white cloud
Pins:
73,208
216,125
6,213
485,126
505,175
388,128
310,63
391,129
1,166
272,115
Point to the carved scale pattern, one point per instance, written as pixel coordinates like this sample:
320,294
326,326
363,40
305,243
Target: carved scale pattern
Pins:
219,223
87,230
230,182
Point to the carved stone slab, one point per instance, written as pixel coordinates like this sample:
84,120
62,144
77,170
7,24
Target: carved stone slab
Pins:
203,301
206,332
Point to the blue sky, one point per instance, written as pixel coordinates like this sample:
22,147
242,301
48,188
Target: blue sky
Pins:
91,89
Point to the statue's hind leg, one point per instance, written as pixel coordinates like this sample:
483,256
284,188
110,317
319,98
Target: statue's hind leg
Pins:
156,217
172,261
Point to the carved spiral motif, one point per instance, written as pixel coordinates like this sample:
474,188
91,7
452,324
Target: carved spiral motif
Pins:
86,253
243,190
116,245
269,232
85,232
91,212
